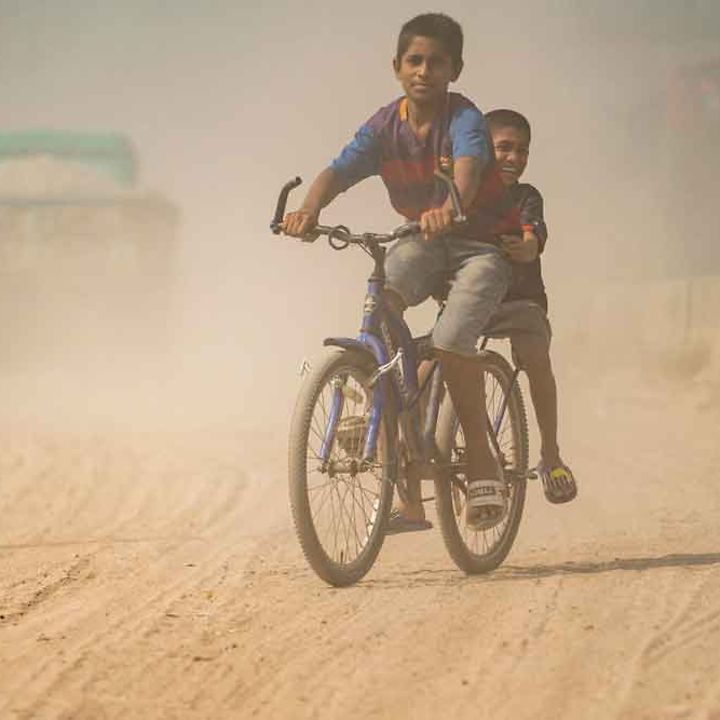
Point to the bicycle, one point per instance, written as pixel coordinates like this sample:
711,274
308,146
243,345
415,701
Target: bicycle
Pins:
362,416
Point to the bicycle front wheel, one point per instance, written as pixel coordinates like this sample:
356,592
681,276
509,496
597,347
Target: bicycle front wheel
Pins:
479,551
340,503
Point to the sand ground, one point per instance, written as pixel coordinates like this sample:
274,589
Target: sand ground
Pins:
156,575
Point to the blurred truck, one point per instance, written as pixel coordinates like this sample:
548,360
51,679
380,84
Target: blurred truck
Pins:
87,256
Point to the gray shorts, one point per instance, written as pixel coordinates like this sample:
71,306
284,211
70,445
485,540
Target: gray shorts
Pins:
526,324
478,275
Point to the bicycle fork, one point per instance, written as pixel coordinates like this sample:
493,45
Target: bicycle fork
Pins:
374,417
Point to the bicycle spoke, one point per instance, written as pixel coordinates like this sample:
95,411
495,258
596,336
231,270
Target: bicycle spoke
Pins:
344,524
313,488
323,500
359,504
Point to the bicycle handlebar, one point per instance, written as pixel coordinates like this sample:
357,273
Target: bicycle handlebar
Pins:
343,235
276,223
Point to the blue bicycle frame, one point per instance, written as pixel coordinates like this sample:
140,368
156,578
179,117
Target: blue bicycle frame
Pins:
384,336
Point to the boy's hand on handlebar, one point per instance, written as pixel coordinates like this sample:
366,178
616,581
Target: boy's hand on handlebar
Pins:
436,221
520,249
299,223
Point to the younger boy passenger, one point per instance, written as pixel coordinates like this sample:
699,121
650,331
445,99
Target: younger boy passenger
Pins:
523,314
404,142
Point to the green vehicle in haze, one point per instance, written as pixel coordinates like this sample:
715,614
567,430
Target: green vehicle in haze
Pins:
85,251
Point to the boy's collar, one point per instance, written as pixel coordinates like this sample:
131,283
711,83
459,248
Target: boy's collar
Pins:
403,108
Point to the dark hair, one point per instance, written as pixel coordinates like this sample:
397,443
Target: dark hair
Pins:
508,118
438,27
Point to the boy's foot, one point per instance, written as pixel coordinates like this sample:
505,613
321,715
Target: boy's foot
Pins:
486,503
558,482
398,523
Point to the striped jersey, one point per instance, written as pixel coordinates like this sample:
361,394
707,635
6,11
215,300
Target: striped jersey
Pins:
387,146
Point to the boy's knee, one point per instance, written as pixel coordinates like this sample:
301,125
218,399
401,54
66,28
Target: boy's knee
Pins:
533,356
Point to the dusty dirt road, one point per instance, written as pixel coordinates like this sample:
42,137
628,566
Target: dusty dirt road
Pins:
157,576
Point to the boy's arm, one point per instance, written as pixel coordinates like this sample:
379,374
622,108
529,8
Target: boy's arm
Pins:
532,215
472,153
322,192
358,160
467,175
522,250
534,229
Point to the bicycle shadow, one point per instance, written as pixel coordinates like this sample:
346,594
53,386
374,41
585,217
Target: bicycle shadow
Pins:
511,573
679,560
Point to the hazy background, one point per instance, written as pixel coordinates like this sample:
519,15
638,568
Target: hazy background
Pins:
227,100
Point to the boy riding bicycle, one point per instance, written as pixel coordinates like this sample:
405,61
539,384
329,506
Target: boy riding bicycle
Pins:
523,313
405,142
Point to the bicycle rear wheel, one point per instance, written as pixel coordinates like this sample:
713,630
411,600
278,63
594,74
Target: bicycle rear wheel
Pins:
339,505
479,551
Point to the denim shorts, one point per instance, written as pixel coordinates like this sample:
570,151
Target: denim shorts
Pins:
478,275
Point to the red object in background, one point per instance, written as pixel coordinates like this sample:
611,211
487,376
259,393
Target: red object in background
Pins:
693,154
694,98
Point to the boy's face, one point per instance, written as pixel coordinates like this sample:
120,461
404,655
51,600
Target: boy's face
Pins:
425,70
512,147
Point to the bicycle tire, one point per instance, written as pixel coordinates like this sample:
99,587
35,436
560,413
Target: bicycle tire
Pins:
336,568
461,542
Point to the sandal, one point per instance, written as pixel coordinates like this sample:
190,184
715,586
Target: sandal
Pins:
558,483
397,524
486,503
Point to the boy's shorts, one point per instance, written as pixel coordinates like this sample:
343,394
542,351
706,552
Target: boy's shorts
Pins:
526,324
478,273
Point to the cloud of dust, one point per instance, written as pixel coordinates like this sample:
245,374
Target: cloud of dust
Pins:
205,322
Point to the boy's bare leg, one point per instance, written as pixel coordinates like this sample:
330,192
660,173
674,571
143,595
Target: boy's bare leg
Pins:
543,391
467,391
413,509
558,481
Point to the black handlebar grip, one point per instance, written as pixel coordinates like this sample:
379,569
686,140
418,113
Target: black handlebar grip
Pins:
281,203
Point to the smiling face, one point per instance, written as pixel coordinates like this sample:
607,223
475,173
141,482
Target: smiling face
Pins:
512,147
425,70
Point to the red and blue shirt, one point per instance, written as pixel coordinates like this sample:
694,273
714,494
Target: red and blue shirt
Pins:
387,146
